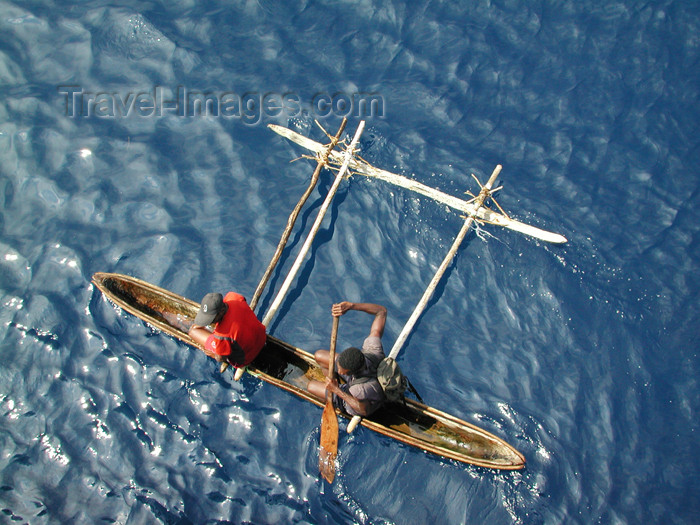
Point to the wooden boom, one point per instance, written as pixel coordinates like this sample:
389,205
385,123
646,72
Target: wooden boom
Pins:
362,167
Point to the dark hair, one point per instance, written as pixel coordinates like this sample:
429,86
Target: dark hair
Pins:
351,359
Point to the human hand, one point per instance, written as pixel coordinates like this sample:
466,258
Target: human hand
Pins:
339,309
332,385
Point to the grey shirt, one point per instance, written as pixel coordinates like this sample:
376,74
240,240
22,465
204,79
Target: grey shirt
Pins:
366,390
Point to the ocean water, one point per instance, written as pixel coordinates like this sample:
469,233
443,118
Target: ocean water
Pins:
134,139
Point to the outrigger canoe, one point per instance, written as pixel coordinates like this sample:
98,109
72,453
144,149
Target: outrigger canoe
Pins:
290,368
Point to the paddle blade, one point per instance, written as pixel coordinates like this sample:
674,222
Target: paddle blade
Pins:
329,441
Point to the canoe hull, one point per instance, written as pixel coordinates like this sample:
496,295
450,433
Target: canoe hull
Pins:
290,368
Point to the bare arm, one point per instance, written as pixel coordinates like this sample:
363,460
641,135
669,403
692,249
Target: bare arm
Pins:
199,335
360,407
377,310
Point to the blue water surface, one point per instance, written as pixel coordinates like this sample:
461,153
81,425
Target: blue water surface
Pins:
583,356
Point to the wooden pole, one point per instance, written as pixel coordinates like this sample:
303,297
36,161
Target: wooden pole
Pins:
314,229
321,161
478,202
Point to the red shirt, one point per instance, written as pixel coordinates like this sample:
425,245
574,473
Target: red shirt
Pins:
239,334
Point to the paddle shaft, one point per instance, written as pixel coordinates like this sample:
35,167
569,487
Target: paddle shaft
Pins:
321,161
314,229
478,202
331,354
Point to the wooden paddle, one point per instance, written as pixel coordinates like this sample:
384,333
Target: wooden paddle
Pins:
329,419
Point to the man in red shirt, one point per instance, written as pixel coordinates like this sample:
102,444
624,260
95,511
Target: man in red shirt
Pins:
237,337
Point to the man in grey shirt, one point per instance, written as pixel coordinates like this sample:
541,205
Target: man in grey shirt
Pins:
361,394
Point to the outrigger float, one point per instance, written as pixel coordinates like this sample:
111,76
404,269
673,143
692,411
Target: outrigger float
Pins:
290,368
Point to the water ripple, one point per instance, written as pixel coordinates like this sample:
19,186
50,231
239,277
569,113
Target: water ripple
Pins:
582,356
